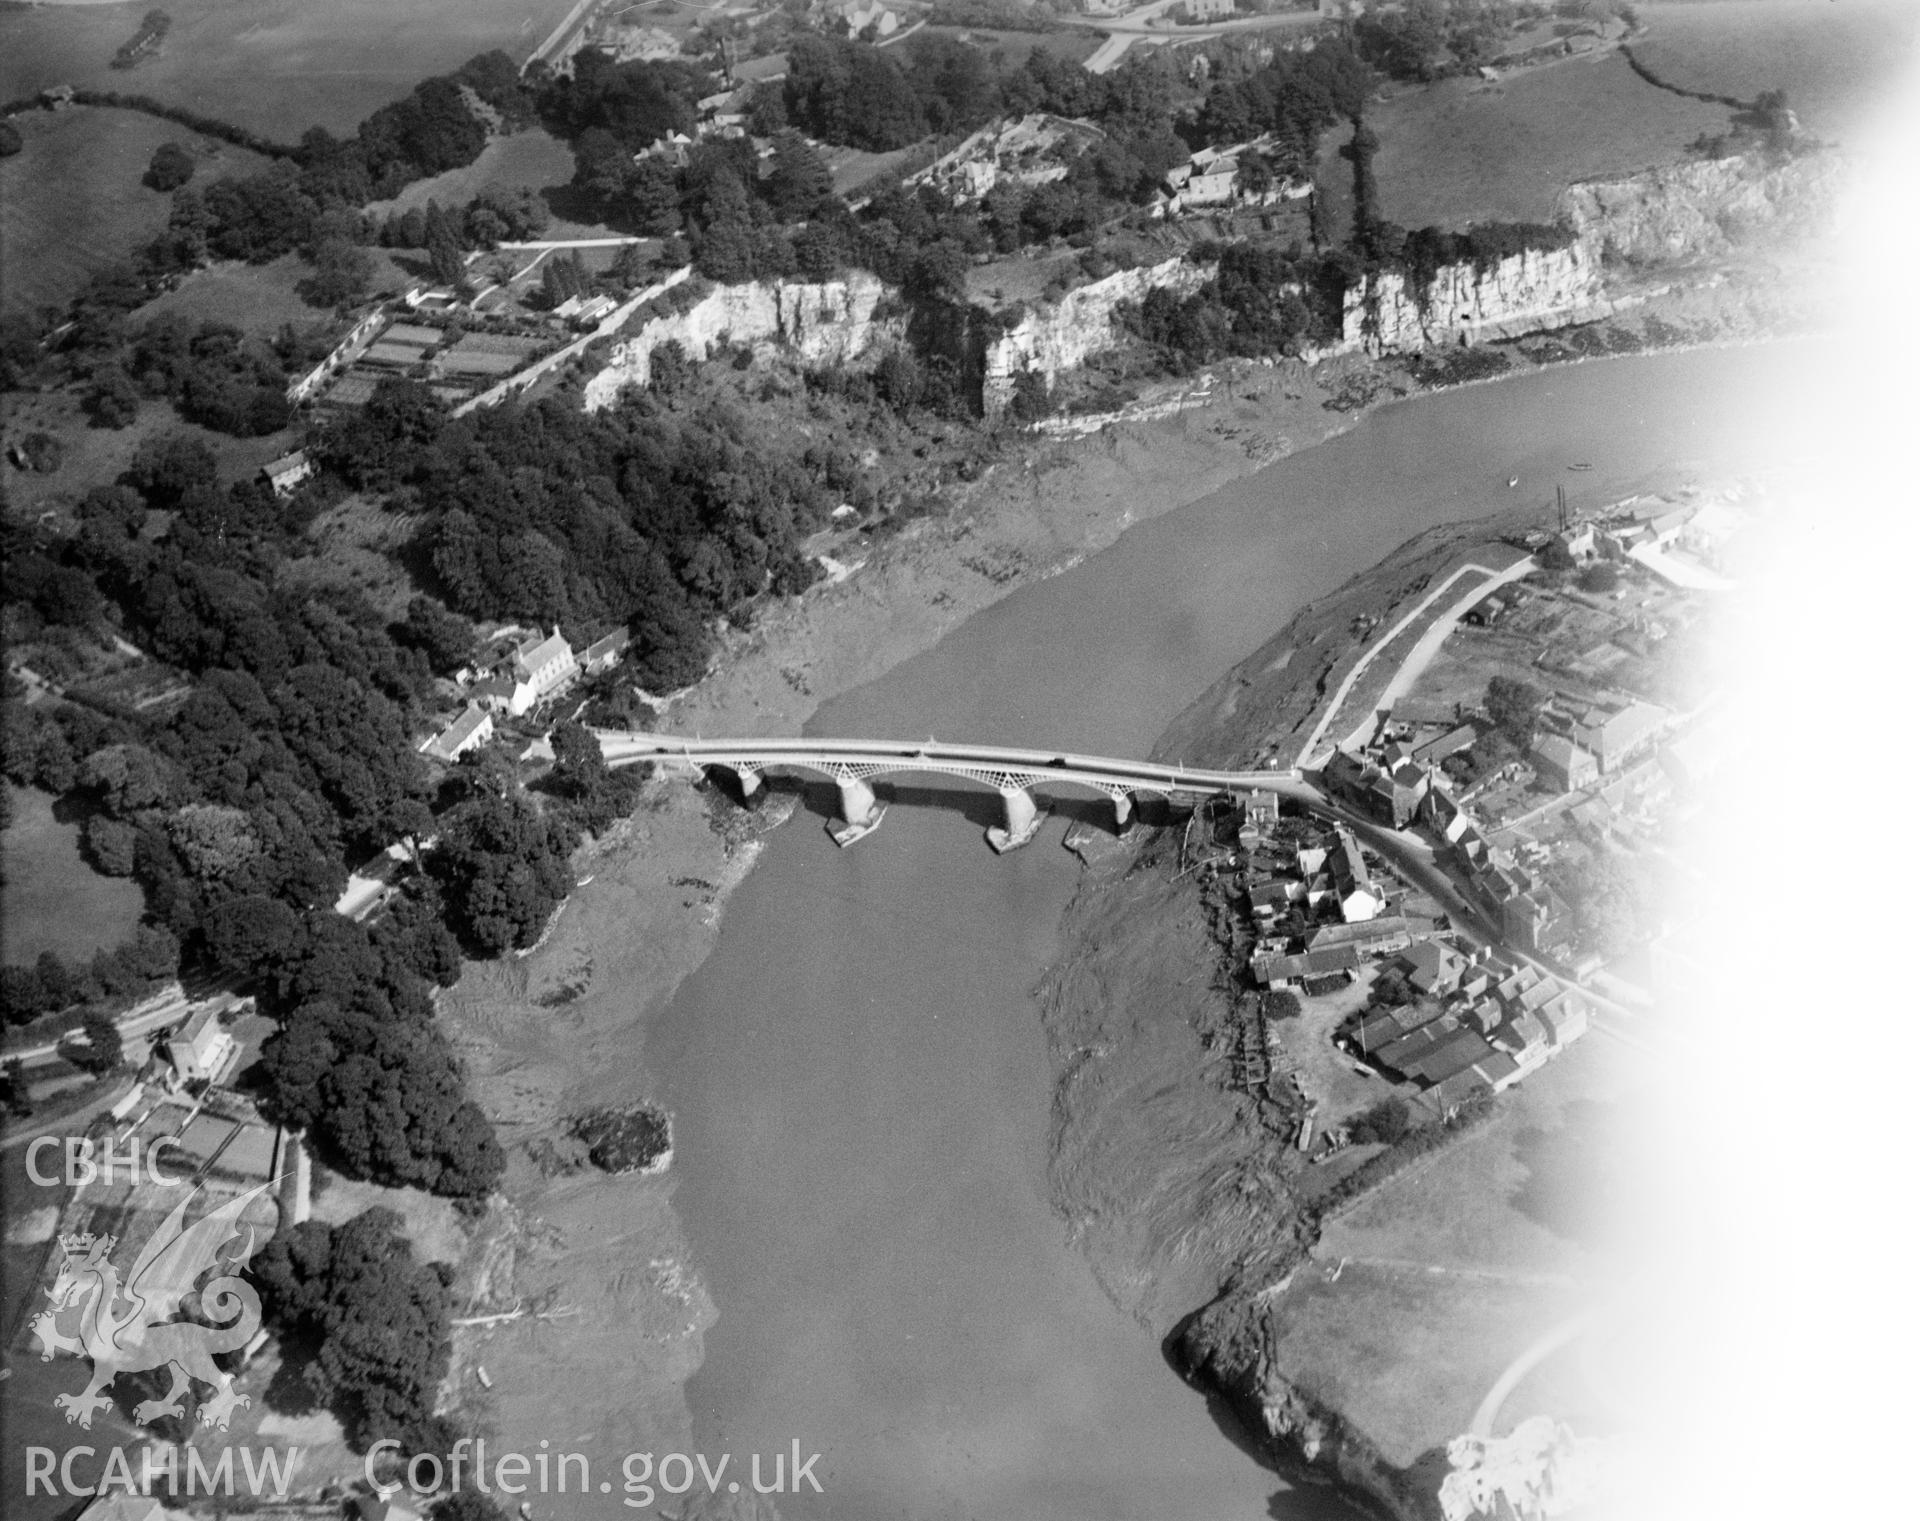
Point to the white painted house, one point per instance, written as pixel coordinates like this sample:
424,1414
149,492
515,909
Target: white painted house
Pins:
473,728
286,473
201,1048
540,668
604,654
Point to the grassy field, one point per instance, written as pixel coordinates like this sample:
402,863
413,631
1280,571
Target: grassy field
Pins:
53,900
1838,60
1407,1355
255,298
854,167
1457,1266
95,455
530,160
261,298
1466,151
277,66
71,201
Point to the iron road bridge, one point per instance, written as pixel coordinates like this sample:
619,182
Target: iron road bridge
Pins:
852,765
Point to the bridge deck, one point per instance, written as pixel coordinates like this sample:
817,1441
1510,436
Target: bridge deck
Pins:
880,755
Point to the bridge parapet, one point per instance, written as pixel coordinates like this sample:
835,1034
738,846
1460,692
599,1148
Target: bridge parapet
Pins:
854,764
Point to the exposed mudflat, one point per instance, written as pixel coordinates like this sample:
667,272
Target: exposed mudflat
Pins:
1167,1178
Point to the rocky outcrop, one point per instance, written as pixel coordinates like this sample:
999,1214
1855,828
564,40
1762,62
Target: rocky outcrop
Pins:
1468,303
1706,209
1223,1349
1064,334
833,322
1695,212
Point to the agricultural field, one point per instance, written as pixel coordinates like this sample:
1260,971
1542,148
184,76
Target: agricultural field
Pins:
71,201
1838,60
52,899
1455,1267
275,66
255,298
530,160
1464,150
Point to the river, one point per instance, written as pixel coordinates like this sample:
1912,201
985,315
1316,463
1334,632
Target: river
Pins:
858,1075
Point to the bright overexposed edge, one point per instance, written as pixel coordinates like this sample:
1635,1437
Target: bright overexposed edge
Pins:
1783,1237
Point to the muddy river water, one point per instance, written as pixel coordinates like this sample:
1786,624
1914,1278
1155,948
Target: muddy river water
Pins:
858,1075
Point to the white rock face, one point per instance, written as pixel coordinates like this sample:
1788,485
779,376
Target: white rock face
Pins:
1062,336
832,322
1702,210
1698,211
1521,293
1705,209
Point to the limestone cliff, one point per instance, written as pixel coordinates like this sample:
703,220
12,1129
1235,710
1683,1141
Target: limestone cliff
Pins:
1705,209
1700,212
834,322
1064,334
1697,211
1469,303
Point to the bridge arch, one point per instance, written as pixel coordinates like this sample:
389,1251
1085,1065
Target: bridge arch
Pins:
852,765
1015,785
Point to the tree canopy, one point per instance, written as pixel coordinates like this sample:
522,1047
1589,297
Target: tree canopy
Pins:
628,516
1514,707
367,1324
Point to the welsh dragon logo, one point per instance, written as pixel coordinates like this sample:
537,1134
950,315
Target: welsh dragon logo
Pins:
124,1328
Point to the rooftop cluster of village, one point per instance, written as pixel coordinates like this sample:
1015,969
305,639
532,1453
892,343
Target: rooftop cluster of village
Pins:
1562,723
1518,795
1448,1014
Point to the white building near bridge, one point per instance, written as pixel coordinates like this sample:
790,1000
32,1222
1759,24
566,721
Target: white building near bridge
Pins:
539,668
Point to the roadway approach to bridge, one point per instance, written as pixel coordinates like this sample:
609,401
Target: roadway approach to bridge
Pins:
852,764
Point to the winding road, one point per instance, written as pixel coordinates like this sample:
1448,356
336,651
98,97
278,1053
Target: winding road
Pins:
1418,658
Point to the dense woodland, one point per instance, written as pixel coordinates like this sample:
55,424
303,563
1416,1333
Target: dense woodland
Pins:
363,1327
239,811
741,222
636,515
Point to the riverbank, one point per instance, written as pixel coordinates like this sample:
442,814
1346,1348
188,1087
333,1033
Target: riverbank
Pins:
561,1030
566,1029
1351,1350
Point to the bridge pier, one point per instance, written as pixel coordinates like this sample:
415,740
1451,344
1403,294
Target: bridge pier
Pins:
1122,807
858,806
1023,820
749,780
